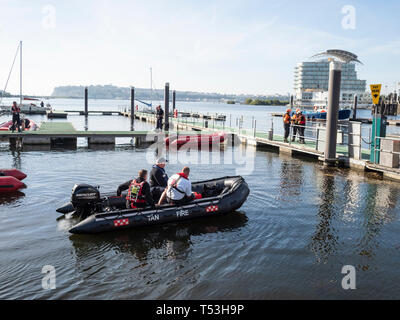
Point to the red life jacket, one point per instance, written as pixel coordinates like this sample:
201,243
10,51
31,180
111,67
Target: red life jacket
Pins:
135,195
15,109
302,120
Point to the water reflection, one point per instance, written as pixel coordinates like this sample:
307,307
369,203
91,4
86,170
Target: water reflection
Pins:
292,178
325,240
16,156
174,240
379,209
345,201
10,198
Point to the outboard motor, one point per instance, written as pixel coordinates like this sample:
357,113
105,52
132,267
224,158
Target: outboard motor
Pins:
85,199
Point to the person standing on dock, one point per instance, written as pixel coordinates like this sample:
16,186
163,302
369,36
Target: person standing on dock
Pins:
301,125
294,125
286,124
160,115
16,120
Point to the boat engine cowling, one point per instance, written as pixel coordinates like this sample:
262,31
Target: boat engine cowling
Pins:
85,199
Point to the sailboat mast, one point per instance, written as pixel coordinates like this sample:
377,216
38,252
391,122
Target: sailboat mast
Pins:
20,79
151,87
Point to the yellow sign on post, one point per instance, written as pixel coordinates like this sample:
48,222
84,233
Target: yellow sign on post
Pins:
376,92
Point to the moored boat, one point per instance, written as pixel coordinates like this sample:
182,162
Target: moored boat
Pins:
201,140
7,126
96,214
10,184
344,114
12,173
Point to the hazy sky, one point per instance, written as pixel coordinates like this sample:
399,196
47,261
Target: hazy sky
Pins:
212,46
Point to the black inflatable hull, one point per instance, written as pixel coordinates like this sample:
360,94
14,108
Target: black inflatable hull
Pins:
235,194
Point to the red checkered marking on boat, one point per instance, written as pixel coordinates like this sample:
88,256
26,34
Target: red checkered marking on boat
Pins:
121,223
212,209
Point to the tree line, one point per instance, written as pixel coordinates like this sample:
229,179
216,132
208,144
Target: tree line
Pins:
270,102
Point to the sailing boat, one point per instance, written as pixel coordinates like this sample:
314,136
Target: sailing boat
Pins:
27,108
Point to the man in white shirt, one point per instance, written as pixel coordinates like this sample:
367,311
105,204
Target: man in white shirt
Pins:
179,190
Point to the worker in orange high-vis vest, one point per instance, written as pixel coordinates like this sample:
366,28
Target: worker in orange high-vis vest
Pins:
294,125
301,122
286,124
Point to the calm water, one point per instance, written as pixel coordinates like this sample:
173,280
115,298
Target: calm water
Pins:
301,224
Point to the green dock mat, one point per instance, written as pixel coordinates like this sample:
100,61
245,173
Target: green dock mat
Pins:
56,127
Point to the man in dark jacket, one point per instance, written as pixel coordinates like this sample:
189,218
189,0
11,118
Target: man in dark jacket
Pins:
139,195
158,178
16,120
160,115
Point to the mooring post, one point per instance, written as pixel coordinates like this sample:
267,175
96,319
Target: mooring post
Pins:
335,79
173,100
86,102
355,103
166,106
132,108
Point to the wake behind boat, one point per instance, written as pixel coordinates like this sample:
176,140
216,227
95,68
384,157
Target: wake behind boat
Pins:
96,214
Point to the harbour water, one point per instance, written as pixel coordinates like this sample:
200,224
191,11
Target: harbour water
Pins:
301,224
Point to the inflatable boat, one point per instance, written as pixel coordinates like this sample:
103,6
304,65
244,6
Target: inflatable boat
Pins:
194,141
96,214
12,173
10,180
6,126
10,184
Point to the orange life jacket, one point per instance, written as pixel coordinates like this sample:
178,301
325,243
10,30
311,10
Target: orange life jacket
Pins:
294,119
286,118
135,195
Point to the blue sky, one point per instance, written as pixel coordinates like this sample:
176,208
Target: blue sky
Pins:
212,46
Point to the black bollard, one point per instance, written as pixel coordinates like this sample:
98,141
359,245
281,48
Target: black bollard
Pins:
173,100
132,108
335,79
86,102
166,107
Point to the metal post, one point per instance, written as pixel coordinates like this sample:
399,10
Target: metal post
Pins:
20,74
173,100
355,107
132,108
335,78
86,102
166,107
